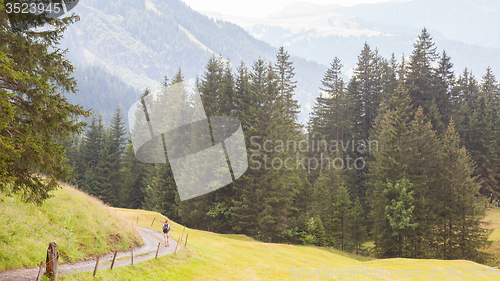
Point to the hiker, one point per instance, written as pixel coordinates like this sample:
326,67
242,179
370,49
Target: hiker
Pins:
166,232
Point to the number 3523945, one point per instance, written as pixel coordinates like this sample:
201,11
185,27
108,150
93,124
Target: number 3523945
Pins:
33,8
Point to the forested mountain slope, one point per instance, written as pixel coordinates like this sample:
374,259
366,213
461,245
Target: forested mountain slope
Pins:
142,41
102,92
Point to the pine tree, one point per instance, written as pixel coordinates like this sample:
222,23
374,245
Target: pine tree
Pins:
402,70
332,120
420,82
482,144
391,161
407,150
178,78
467,89
161,192
103,187
358,225
477,125
286,85
33,107
399,215
389,77
243,97
314,232
464,97
211,87
341,218
337,106
266,191
228,107
246,207
133,178
277,194
367,92
156,183
91,147
462,234
490,87
423,176
445,81
117,147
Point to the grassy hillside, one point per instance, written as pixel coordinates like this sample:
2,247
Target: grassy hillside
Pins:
211,256
493,218
80,225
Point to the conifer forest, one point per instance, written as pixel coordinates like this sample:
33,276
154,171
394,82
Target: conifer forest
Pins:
404,153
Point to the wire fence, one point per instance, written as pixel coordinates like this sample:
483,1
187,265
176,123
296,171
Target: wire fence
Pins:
49,262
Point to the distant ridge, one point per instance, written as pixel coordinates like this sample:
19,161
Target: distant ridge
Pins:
299,8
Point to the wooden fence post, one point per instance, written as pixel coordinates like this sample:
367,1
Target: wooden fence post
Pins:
177,245
39,272
95,268
137,221
51,261
132,253
187,234
157,250
153,221
114,257
183,232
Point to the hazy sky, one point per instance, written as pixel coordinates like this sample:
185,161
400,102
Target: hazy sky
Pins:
259,8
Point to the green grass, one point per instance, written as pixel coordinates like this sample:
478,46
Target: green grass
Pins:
210,256
81,226
493,217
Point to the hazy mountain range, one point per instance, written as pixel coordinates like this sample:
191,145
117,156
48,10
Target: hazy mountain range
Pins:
466,29
138,42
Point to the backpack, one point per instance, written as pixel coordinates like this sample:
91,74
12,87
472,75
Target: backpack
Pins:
166,227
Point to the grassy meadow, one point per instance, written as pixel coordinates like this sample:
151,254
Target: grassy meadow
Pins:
210,256
493,218
81,226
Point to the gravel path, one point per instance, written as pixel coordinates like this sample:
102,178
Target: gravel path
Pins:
147,251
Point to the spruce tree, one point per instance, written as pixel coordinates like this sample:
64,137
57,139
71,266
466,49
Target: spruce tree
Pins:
91,147
490,87
358,225
337,106
103,187
160,192
391,160
389,78
332,120
407,150
133,179
399,215
420,76
248,205
483,145
117,146
34,78
157,184
267,190
211,87
367,93
445,81
341,217
286,85
462,233
243,98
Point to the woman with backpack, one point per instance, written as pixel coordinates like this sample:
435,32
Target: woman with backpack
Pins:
166,232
